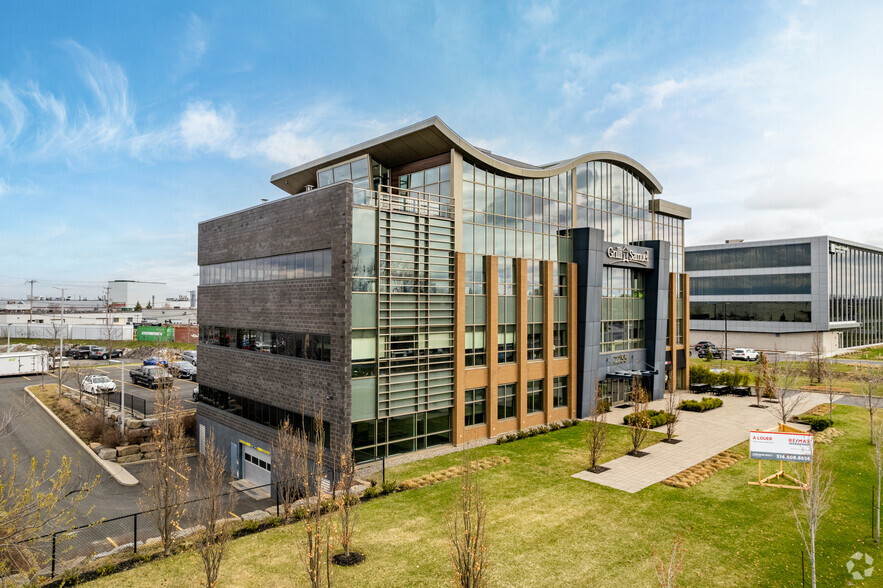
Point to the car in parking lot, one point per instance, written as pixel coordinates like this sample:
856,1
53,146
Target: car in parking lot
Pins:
196,394
151,376
183,370
702,345
81,352
98,384
104,353
712,350
189,356
745,354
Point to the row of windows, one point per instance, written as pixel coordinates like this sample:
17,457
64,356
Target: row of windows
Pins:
750,257
747,285
257,461
293,266
316,347
475,407
778,312
401,434
260,412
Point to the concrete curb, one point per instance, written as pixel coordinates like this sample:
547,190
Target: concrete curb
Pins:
116,471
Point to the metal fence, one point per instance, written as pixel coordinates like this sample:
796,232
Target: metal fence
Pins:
135,406
84,547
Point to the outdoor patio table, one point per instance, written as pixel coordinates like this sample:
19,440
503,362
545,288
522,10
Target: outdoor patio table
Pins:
699,388
720,390
742,391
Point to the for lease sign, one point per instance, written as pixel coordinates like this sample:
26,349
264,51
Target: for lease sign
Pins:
781,446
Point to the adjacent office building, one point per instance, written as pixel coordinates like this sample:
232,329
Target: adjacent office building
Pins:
787,294
415,290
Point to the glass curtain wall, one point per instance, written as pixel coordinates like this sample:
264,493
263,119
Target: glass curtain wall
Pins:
622,309
413,306
534,310
614,200
476,311
855,281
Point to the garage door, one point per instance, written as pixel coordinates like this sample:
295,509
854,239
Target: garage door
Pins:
255,466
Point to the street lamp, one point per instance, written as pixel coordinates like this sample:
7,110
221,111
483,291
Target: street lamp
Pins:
122,363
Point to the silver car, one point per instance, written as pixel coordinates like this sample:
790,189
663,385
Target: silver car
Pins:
98,385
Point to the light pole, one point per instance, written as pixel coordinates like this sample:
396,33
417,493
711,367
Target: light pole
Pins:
122,363
61,341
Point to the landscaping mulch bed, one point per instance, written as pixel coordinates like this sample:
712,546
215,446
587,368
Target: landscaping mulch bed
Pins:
672,441
452,472
637,453
597,470
354,558
693,475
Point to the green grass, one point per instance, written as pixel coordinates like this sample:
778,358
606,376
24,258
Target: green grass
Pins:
548,529
875,353
848,378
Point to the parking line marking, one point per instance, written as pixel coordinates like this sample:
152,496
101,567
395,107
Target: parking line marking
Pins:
26,378
179,473
112,542
235,515
177,527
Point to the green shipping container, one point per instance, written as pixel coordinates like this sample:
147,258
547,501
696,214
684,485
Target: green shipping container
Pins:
155,334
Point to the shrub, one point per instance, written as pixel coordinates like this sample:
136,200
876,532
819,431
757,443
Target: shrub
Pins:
106,570
657,418
390,486
91,425
372,492
817,423
251,526
189,423
301,512
701,406
111,437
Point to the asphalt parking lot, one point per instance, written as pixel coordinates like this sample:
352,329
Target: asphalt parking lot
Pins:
183,389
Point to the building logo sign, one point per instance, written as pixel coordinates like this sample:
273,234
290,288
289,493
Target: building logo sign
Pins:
781,446
620,358
622,253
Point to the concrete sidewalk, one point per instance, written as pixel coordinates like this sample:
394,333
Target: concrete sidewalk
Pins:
702,435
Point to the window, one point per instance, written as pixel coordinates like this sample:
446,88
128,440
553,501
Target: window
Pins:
475,407
535,341
506,401
312,346
534,310
506,313
534,396
476,348
559,392
506,343
293,266
559,339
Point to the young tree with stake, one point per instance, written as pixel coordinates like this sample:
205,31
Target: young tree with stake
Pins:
815,501
673,408
640,422
596,434
467,533
347,504
213,510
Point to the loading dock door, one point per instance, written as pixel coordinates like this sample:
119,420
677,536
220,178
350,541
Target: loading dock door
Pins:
255,466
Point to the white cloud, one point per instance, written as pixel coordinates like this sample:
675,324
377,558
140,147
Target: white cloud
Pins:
541,13
4,188
291,144
197,40
202,127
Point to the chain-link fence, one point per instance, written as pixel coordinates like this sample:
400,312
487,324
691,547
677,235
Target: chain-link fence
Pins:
84,547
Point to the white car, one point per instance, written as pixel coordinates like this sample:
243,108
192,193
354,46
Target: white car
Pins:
98,385
745,354
189,356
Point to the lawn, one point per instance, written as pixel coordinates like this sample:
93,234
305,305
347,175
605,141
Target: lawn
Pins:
546,528
875,353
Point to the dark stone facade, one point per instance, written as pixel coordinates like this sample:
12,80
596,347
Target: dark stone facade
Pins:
318,219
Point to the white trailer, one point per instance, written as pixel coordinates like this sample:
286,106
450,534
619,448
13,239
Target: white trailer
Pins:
23,363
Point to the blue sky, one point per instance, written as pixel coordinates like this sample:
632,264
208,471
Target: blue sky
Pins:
123,124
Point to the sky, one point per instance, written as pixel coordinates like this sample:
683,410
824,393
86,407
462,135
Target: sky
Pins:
125,124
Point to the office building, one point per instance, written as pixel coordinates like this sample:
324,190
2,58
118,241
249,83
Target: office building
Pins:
787,294
416,290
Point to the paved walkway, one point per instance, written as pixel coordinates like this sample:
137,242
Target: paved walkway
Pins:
702,435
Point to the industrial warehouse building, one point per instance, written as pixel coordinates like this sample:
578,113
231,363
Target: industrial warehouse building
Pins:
787,294
418,291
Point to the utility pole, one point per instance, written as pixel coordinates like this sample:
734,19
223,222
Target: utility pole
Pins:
61,342
30,307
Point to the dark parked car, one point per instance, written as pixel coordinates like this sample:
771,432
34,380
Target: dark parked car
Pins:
150,376
702,345
183,370
714,351
103,353
81,352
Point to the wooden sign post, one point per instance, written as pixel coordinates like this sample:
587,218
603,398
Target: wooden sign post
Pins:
782,444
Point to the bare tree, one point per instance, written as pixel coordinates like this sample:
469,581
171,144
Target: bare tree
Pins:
817,358
640,422
166,486
870,381
667,572
596,434
467,533
33,498
347,505
877,456
782,379
827,375
673,408
815,501
288,467
316,543
213,509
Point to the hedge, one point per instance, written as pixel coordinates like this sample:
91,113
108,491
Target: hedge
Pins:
817,423
701,406
700,374
657,418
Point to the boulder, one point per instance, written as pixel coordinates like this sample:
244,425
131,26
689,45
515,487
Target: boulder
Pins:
148,447
107,453
95,446
130,458
151,455
128,450
134,424
148,422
